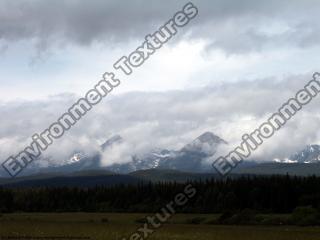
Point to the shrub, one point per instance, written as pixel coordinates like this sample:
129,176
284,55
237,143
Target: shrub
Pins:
225,217
274,220
196,220
104,220
246,216
305,216
141,220
213,221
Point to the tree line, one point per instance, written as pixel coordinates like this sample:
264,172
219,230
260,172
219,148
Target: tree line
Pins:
273,194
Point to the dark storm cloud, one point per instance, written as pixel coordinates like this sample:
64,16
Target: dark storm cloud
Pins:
234,26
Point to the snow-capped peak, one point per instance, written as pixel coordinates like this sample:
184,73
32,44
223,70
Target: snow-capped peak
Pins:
311,154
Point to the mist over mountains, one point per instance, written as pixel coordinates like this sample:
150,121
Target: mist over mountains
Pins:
191,162
189,158
194,157
311,154
149,123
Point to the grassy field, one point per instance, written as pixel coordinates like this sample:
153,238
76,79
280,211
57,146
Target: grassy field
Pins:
116,226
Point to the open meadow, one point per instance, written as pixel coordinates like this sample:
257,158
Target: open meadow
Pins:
115,226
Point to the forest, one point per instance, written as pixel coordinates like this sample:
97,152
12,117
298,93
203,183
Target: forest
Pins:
273,194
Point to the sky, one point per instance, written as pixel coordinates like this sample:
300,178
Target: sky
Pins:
225,72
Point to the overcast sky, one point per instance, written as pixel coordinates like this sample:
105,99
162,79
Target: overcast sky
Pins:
234,64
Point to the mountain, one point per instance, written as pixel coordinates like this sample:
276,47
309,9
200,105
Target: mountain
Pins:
188,163
311,154
191,157
205,143
77,162
117,139
303,163
149,160
81,161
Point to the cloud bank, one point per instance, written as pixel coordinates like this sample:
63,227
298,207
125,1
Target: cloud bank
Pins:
148,120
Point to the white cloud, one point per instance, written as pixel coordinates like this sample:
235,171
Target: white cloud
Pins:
166,120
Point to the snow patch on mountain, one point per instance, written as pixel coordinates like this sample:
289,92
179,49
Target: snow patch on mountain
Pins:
286,160
311,154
